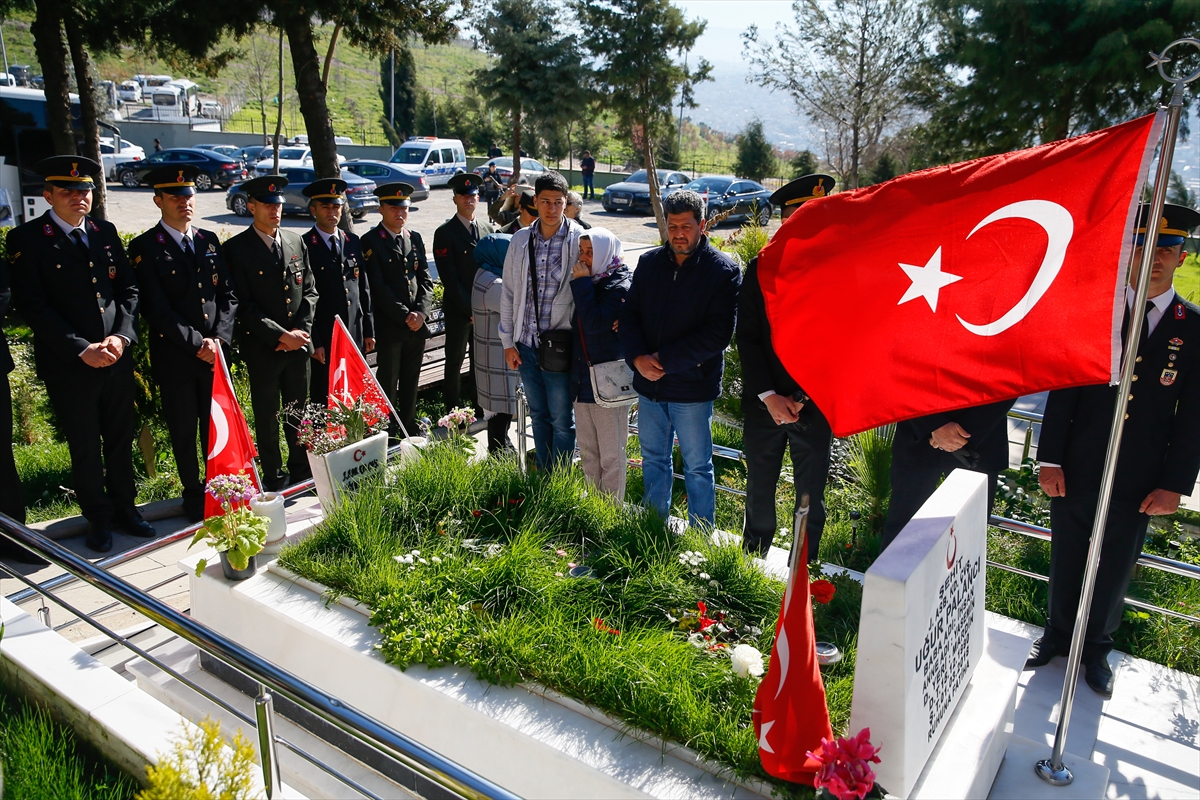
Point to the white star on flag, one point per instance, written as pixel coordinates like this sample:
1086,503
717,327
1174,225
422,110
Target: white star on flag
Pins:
927,281
762,736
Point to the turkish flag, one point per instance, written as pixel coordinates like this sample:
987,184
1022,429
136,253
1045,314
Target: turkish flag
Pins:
790,713
349,376
960,285
231,447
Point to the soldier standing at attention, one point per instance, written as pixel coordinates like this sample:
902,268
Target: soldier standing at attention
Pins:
277,301
454,253
337,265
73,284
401,297
187,299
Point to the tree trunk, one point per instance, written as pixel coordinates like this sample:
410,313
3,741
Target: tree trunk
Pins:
516,146
313,105
52,55
87,107
652,176
337,29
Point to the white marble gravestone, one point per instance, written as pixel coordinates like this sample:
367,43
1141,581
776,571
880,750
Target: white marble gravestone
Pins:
922,629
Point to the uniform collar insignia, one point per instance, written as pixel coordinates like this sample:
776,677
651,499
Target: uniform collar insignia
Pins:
49,229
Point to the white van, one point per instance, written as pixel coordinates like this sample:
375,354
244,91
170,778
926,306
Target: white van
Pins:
439,159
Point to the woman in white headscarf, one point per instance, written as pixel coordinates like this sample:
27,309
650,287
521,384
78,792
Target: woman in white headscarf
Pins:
599,281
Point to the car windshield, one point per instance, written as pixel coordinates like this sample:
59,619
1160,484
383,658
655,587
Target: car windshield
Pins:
717,185
502,162
638,177
410,155
294,153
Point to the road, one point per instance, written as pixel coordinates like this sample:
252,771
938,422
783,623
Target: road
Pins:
133,211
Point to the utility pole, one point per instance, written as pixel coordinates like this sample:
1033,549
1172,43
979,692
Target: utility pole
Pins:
682,100
392,98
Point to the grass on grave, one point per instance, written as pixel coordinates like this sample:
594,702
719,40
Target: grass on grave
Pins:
489,589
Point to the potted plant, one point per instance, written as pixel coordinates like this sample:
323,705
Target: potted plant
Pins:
237,534
345,442
456,424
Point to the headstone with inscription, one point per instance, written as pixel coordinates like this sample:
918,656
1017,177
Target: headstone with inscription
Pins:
922,629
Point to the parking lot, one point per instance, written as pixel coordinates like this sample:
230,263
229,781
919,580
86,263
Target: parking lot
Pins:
133,211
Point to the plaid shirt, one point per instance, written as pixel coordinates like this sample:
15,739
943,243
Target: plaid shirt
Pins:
548,258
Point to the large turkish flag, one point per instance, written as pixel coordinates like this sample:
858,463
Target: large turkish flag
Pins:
349,376
960,285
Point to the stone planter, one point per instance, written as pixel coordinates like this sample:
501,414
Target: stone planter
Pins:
340,470
238,574
410,448
270,506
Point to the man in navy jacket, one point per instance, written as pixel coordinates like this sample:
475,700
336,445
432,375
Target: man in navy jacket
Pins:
678,319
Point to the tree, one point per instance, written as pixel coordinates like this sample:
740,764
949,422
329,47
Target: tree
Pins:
1037,71
1178,193
885,169
755,156
88,113
535,74
632,43
849,67
804,163
52,56
261,80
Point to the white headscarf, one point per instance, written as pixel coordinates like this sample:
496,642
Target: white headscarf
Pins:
607,250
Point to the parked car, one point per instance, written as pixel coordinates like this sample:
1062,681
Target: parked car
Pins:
211,109
359,193
743,199
383,172
288,157
253,153
438,160
114,161
215,169
530,169
129,92
633,193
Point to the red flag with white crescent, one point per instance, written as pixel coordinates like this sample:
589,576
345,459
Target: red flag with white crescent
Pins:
349,376
231,447
960,285
790,713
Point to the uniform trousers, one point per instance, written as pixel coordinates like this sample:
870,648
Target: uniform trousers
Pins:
12,496
1071,520
459,342
399,371
97,416
917,469
279,377
765,444
187,407
601,434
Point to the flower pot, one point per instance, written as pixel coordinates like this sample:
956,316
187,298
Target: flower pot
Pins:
238,574
410,448
270,506
338,471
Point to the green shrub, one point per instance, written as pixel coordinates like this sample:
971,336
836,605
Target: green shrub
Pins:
198,767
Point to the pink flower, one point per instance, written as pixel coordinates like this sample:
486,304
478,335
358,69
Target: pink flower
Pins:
560,553
845,766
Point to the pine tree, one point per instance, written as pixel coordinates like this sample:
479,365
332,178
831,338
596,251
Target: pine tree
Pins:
755,156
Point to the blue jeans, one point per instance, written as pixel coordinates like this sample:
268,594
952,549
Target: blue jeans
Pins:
589,189
658,424
549,397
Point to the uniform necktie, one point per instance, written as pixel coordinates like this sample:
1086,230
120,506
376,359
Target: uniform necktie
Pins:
1145,324
278,251
77,235
474,233
187,247
333,248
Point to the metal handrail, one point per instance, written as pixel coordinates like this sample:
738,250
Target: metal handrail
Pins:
416,756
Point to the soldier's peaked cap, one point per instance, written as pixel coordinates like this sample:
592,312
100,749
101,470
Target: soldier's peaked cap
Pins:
68,172
1173,226
327,190
809,187
266,189
179,180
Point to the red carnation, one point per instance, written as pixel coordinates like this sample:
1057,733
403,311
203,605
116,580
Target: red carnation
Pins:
822,590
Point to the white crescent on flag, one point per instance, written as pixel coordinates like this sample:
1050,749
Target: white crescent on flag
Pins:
219,422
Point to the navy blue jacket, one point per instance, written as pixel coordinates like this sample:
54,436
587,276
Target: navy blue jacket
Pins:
597,306
686,314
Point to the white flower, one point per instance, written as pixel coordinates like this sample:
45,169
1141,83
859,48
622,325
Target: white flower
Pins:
747,661
423,561
416,552
703,576
403,559
493,550
435,560
714,584
470,544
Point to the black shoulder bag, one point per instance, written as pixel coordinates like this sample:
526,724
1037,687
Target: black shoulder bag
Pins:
554,348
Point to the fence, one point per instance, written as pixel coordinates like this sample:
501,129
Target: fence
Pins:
246,123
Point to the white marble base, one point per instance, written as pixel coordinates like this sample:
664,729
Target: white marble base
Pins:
1017,779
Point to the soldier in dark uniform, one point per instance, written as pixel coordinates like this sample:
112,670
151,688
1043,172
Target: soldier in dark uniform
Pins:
777,412
1157,465
74,286
187,299
454,253
337,264
277,301
401,297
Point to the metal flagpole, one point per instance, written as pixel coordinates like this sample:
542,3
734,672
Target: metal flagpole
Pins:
1052,769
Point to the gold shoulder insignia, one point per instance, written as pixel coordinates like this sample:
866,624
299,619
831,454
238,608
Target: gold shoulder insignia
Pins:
12,259
137,261
368,254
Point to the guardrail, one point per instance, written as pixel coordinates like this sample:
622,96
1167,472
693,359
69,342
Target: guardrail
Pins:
270,678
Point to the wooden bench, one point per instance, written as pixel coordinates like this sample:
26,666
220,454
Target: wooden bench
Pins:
433,364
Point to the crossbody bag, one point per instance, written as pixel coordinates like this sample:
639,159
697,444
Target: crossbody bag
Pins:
612,381
554,347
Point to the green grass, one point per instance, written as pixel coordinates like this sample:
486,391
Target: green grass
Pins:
517,616
1187,278
43,760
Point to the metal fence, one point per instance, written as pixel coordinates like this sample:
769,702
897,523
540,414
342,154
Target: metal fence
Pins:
245,123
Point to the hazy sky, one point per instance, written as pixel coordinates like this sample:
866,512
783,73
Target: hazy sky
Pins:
727,19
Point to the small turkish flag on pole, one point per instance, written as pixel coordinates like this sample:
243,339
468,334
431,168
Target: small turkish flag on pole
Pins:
790,713
960,285
231,447
349,376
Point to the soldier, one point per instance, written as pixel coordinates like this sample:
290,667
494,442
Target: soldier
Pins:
188,301
454,254
277,300
1157,465
73,284
401,296
778,415
337,265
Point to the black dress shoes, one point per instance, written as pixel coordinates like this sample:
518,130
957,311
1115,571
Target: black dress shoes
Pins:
1042,652
193,509
99,537
136,526
1099,676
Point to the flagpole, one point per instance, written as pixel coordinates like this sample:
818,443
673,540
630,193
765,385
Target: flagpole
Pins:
800,534
1052,769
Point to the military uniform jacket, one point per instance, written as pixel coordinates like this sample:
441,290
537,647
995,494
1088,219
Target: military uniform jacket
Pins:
1160,446
184,300
762,371
454,254
70,301
398,274
342,288
272,298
